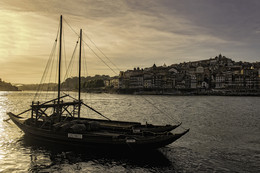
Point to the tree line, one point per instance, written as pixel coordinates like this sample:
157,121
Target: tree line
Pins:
72,83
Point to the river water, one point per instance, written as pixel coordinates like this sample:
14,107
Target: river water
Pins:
224,136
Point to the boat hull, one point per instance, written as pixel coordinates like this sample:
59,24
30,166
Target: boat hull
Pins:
98,139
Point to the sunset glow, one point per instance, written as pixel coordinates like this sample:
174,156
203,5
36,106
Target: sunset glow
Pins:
131,33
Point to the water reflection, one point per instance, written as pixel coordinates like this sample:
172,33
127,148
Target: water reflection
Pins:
49,157
224,137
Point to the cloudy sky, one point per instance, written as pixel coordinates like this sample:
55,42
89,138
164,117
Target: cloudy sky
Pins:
132,33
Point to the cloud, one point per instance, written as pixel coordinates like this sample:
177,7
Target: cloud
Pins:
132,33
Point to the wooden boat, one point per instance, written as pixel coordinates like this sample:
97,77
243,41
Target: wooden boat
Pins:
61,122
95,138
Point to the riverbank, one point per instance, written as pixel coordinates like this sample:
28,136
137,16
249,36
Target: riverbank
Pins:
175,92
172,92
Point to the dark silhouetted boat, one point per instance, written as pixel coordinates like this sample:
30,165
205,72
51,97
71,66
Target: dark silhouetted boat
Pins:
60,122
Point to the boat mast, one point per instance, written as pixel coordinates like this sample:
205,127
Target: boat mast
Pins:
80,42
59,74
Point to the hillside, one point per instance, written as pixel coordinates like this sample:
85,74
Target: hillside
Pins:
4,86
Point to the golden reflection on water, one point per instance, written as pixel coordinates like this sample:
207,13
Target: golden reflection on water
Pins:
3,125
9,137
3,100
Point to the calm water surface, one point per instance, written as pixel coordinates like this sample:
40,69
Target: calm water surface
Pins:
224,136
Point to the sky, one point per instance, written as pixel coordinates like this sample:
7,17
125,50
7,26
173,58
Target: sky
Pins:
131,33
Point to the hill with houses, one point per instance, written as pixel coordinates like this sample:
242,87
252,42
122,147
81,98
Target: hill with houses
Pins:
215,75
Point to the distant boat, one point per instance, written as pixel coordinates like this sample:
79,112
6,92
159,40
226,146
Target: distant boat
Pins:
60,122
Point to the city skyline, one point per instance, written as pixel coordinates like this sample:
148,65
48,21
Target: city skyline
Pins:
130,33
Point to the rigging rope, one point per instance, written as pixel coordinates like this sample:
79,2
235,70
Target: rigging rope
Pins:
163,112
71,61
85,67
45,70
102,52
50,76
57,70
85,73
99,57
93,50
37,94
64,47
70,66
70,27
